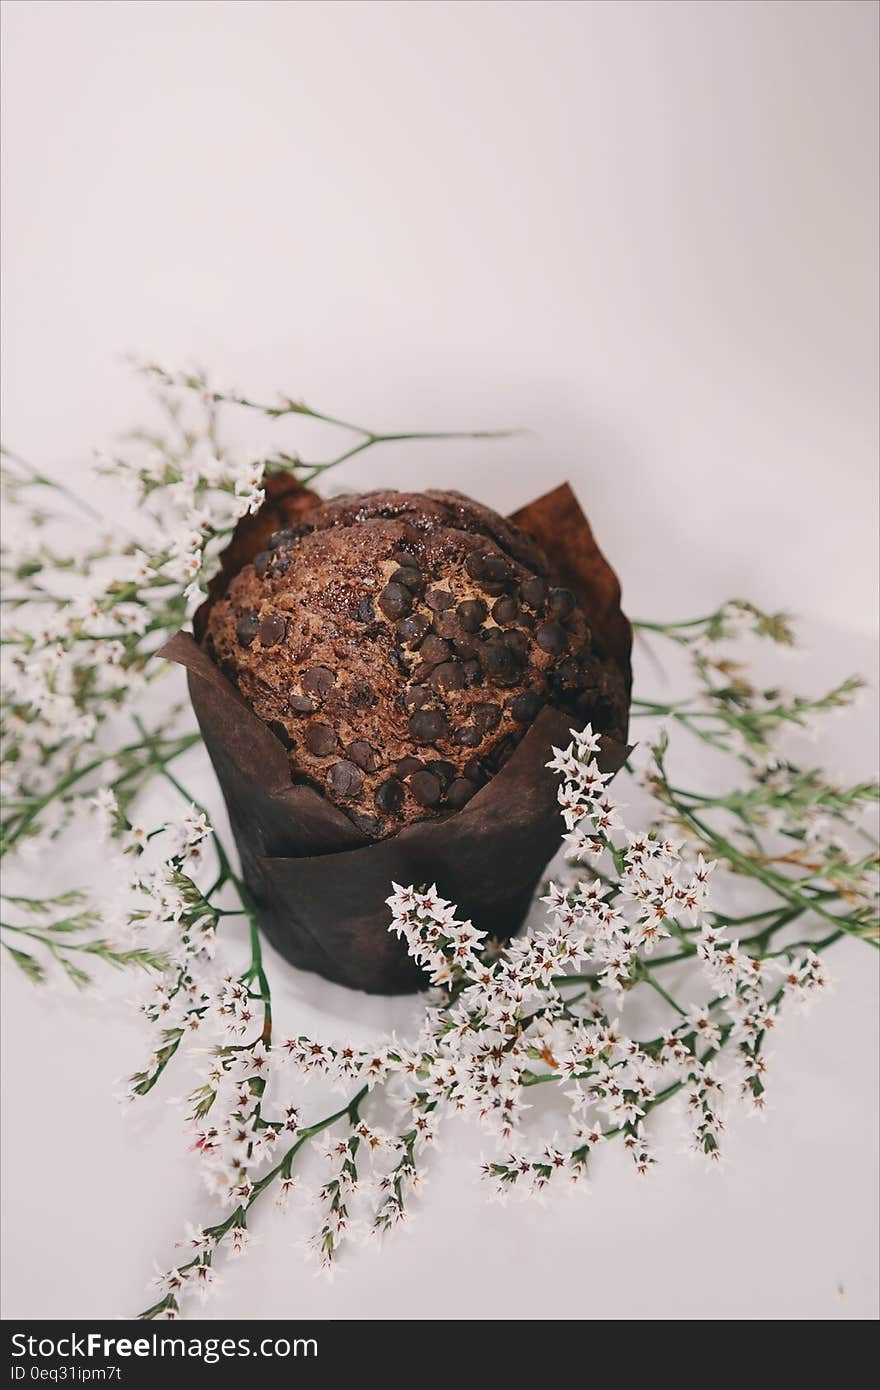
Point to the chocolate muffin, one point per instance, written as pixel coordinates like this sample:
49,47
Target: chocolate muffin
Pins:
400,645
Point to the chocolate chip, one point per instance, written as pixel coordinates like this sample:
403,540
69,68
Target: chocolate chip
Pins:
364,611
281,538
518,643
277,728
505,610
413,628
395,601
460,793
448,676
473,673
438,600
494,588
246,629
389,797
466,736
415,697
301,704
370,825
570,673
411,579
426,788
465,647
524,707
321,740
440,768
474,564
476,771
428,725
561,602
364,754
486,718
345,779
272,629
498,662
262,562
472,614
318,681
551,637
495,569
533,592
446,624
280,563
405,559
433,649
406,766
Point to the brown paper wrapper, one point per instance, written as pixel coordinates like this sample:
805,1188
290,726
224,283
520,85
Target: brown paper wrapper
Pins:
318,884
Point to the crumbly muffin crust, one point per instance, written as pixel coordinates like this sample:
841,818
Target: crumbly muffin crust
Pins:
400,645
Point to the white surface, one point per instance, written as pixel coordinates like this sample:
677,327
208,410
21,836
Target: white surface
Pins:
787,1230
644,232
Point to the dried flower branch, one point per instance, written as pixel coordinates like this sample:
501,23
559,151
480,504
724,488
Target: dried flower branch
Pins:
502,1022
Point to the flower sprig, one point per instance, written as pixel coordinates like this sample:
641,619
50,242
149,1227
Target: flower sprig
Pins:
65,939
545,1010
727,710
171,384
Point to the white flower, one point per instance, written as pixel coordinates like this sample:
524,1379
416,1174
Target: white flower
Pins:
563,761
586,742
250,502
135,839
106,808
239,1240
203,1280
698,1021
195,826
169,1281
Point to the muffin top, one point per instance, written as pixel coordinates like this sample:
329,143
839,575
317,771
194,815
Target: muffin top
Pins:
400,645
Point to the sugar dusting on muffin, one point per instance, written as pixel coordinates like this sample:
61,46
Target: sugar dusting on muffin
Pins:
400,645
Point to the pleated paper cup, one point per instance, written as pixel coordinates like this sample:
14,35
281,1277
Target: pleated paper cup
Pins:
317,883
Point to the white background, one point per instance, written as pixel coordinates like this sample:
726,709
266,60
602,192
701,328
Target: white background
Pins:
645,232
646,235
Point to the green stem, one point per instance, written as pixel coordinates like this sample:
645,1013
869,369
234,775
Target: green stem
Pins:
646,976
70,780
277,412
783,887
667,629
224,864
41,480
256,971
804,945
282,1167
